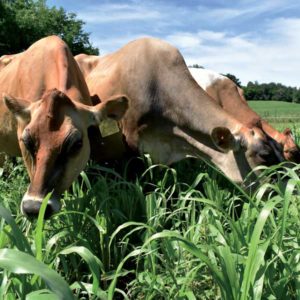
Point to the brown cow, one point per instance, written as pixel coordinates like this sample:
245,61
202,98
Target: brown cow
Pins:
226,93
169,115
49,127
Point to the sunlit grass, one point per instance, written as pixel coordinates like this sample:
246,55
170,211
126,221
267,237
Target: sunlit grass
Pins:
279,114
168,233
275,109
184,232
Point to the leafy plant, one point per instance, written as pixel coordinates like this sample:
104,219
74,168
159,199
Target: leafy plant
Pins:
159,235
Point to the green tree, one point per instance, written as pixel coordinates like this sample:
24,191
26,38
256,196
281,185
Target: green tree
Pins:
22,22
196,66
8,32
271,91
234,79
296,95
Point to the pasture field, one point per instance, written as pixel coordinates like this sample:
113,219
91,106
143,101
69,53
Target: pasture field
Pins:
280,114
142,231
274,109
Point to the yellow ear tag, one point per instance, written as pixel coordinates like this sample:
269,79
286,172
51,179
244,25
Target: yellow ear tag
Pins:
108,127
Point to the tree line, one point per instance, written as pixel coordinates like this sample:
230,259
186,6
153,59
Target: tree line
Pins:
267,91
271,91
23,22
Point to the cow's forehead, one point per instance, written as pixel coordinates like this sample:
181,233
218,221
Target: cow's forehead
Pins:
53,112
42,135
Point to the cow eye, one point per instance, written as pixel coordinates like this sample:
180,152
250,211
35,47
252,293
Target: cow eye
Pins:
264,155
29,144
76,146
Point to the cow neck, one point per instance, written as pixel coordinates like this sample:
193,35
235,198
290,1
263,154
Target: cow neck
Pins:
273,133
198,112
231,163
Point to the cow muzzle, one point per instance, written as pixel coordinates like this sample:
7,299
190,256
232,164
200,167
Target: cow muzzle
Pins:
30,206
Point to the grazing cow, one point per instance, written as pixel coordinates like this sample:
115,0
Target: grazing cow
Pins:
229,96
45,116
169,115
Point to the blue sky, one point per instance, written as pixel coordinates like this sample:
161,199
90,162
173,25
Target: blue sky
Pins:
255,40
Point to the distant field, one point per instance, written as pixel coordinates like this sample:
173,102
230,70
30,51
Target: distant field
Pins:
280,114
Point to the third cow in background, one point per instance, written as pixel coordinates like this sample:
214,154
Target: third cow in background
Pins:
229,96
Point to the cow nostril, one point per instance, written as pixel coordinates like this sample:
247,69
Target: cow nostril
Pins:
31,209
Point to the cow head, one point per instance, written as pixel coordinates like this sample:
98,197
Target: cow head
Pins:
291,150
53,137
251,148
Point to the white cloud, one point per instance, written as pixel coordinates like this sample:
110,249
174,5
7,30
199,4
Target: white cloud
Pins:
108,44
211,35
184,40
286,27
107,13
243,39
274,56
247,9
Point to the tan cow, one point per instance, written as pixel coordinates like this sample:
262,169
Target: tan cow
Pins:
169,115
49,127
226,93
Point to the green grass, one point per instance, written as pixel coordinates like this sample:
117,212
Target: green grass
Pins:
279,113
162,235
275,108
184,232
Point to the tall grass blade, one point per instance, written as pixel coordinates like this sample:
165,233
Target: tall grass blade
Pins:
38,236
251,268
193,250
16,234
93,262
42,295
22,263
112,286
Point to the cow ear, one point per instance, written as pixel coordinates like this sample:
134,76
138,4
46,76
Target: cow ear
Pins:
113,108
223,139
18,107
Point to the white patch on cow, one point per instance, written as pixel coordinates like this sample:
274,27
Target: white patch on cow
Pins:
205,77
